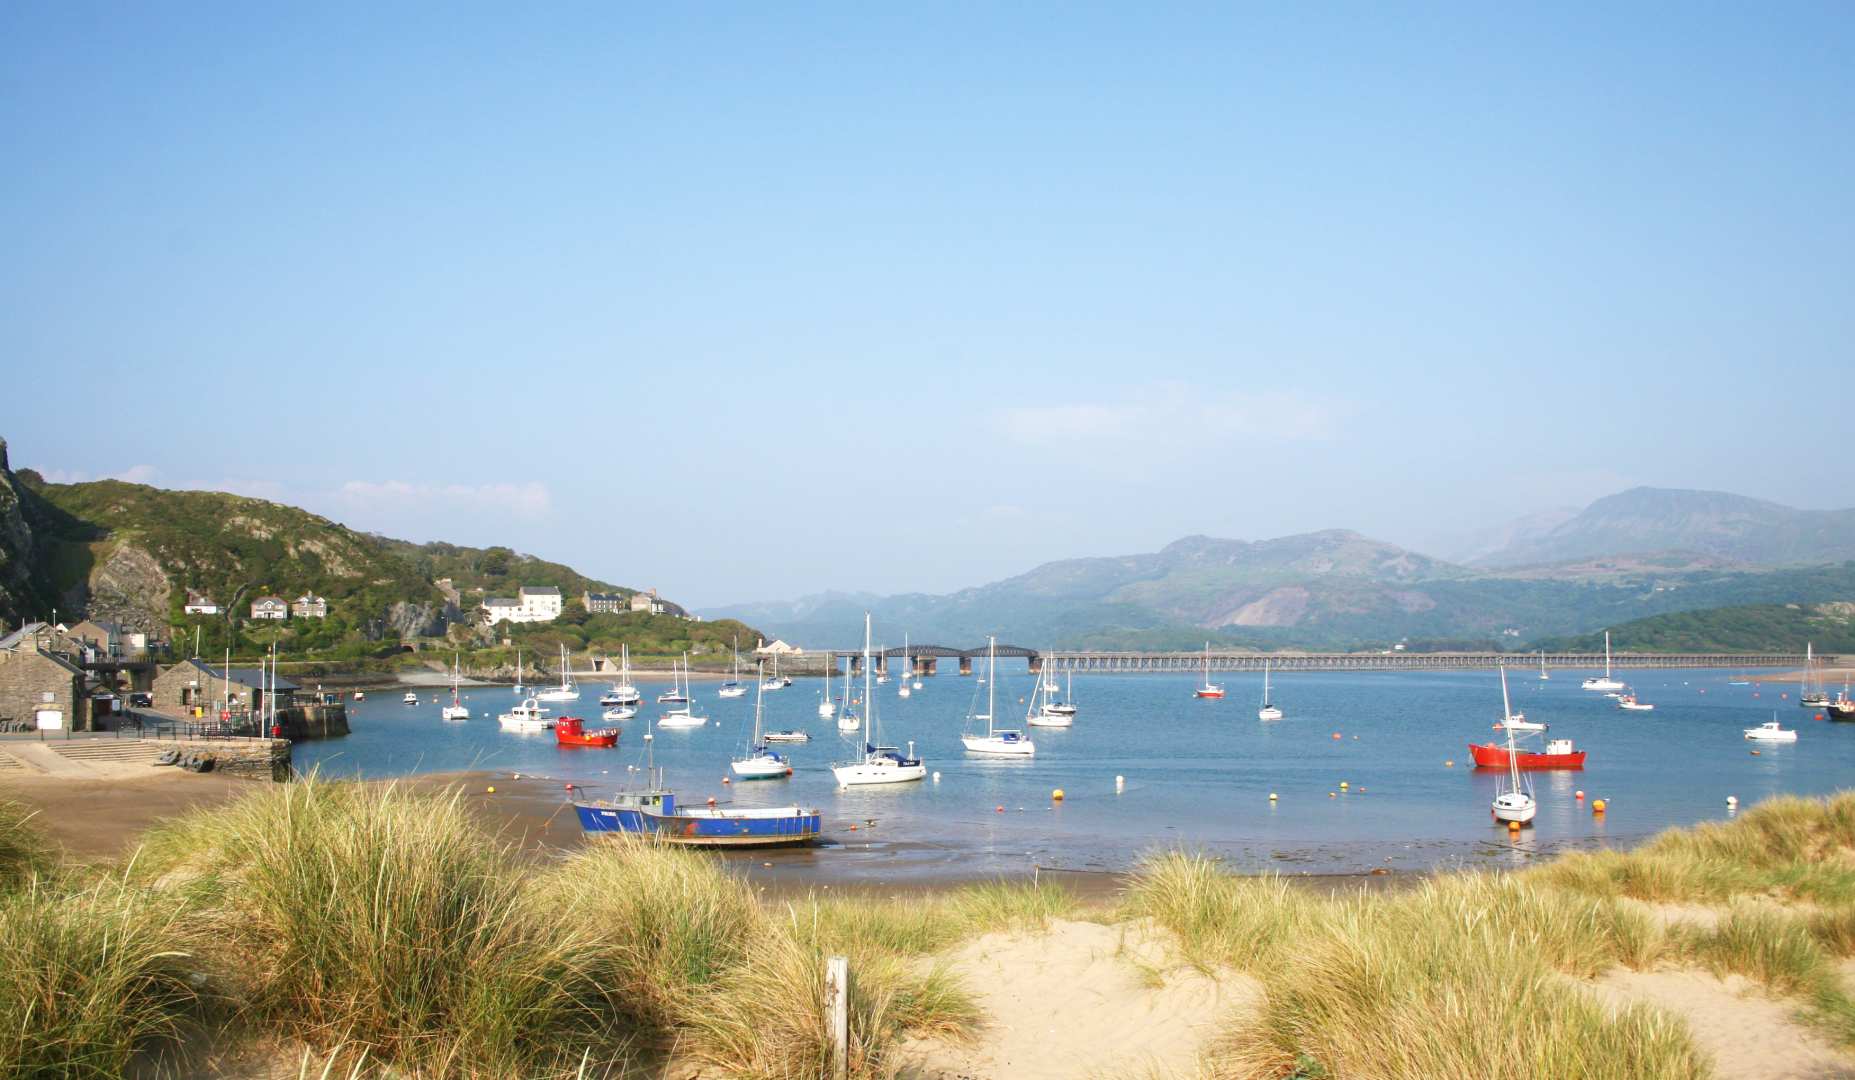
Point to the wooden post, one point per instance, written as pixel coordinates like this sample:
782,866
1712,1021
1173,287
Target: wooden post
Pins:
837,1006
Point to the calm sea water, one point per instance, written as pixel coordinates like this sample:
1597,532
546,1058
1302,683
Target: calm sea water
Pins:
1197,773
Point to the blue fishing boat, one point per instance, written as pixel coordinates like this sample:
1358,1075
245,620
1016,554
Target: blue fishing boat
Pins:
655,812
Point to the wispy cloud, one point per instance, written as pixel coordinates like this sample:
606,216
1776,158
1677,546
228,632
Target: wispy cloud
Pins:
1174,416
529,498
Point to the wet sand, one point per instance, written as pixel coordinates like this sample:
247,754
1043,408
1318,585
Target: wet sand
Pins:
103,819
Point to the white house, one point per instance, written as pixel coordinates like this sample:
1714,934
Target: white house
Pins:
309,606
270,607
535,603
199,604
540,603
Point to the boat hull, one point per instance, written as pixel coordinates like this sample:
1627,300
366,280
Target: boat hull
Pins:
1841,713
1269,713
1207,693
525,725
1491,756
863,774
997,746
712,828
1515,811
1052,720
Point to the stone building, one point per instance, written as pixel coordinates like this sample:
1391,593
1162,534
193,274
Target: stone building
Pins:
195,685
309,606
647,602
38,687
604,603
108,638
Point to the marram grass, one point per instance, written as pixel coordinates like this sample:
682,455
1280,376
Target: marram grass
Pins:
89,975
24,854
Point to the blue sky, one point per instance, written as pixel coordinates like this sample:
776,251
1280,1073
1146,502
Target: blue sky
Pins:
745,302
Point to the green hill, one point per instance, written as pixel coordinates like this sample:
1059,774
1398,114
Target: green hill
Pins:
132,553
1830,627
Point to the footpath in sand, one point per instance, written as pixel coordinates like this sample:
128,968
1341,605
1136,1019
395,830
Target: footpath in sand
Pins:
1078,1000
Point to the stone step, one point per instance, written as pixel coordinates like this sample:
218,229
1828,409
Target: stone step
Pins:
9,763
103,750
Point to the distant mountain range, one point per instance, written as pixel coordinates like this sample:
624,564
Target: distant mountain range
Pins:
1708,523
1640,553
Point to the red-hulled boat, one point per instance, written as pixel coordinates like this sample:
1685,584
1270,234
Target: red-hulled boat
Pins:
1557,755
571,731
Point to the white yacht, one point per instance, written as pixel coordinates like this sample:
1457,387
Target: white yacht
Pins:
1606,684
566,691
878,764
998,742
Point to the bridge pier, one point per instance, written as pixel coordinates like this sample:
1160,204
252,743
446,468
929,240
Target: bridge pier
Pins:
1036,662
966,665
924,665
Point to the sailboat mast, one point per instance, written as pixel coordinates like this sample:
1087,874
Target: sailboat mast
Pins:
869,703
991,683
759,699
1606,654
1507,715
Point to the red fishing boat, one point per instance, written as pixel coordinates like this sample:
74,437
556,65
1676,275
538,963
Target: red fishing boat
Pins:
571,731
1557,755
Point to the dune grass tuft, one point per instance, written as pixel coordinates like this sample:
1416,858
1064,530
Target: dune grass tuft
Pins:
387,923
89,975
1797,847
24,851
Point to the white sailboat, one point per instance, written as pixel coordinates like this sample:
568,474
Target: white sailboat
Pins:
530,715
1606,684
623,693
1808,698
879,764
826,707
1543,677
1067,706
733,688
566,691
760,762
455,710
1268,711
999,742
1513,803
774,682
1045,710
684,716
903,691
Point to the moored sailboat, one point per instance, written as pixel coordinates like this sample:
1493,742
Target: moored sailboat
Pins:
455,710
1268,711
1207,688
996,741
683,716
1513,803
1606,684
760,762
879,764
566,691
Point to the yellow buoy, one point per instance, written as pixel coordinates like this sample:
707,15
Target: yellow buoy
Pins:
1057,795
1597,806
1513,826
1342,785
1331,795
1450,764
492,790
1272,796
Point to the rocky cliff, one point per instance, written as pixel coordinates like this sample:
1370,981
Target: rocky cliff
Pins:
23,588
